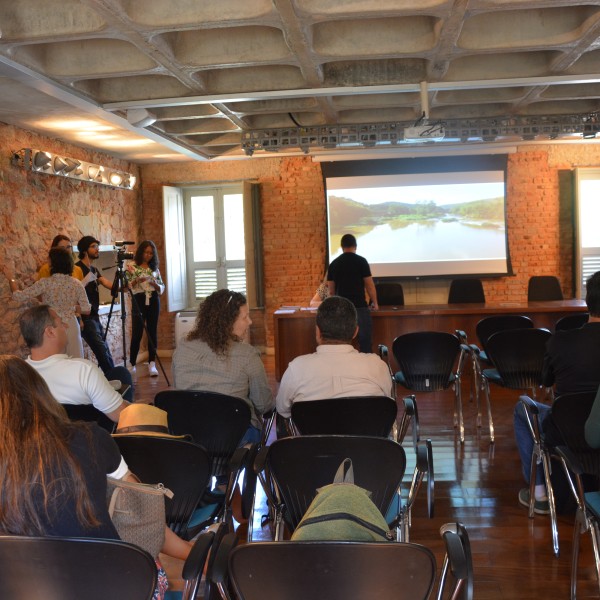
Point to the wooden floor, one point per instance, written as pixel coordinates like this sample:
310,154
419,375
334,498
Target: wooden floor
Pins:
477,484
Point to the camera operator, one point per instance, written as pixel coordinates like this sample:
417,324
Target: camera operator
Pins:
146,285
89,249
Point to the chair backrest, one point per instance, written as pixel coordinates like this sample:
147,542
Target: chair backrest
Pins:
426,359
569,414
466,291
518,355
332,571
57,568
572,321
364,415
181,466
89,413
544,287
215,421
302,465
390,294
490,325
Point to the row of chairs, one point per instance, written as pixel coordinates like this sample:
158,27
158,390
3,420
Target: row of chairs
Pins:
510,354
468,291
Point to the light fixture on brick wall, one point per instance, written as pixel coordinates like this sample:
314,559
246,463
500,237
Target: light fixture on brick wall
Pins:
40,161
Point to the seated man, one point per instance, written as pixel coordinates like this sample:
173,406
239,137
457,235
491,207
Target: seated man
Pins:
336,369
71,380
571,364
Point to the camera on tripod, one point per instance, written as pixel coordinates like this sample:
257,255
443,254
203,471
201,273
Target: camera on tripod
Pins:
121,248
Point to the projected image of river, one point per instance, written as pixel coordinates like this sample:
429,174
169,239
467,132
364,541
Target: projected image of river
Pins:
434,240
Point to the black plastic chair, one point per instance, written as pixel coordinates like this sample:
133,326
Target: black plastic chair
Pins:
368,416
544,287
89,413
215,421
299,466
480,359
572,321
569,414
390,294
56,568
466,291
181,466
342,570
364,415
431,361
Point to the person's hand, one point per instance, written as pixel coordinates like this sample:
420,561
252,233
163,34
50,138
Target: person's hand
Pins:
375,306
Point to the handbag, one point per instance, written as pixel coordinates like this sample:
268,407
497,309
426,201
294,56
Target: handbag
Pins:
137,511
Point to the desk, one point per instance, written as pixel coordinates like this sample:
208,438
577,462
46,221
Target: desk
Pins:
295,332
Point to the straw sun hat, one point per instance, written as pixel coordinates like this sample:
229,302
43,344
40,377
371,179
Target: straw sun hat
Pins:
144,419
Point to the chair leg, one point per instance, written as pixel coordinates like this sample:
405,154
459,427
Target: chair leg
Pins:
458,410
551,503
595,532
532,477
579,525
489,409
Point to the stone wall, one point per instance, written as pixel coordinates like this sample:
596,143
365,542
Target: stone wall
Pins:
36,207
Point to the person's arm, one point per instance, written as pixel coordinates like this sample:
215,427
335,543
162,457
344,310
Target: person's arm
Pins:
592,425
157,283
371,291
286,393
315,301
102,395
331,286
260,393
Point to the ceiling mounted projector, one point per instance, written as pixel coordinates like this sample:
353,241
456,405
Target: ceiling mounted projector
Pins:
424,133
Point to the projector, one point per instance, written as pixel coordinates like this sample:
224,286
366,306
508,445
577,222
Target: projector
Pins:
424,133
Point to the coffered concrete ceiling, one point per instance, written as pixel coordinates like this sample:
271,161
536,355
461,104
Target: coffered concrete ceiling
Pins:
209,72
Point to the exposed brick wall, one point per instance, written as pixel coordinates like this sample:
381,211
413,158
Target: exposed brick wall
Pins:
35,207
539,210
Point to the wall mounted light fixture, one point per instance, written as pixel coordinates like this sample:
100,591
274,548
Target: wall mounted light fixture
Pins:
41,161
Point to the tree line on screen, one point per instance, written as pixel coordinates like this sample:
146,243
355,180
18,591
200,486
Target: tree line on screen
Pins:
345,212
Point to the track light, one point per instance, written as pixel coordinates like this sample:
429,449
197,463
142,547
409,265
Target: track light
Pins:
53,164
41,160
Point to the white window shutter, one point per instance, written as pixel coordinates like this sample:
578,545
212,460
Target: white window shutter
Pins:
175,248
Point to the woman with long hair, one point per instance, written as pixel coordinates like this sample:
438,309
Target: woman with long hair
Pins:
146,284
54,470
64,242
62,292
215,358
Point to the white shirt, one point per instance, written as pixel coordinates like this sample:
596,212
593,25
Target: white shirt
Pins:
77,381
333,371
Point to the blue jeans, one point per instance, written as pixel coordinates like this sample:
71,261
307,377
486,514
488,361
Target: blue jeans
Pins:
365,342
525,440
92,334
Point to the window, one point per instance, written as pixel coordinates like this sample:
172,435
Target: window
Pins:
587,217
214,223
212,241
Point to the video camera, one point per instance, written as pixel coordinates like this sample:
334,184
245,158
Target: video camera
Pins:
121,248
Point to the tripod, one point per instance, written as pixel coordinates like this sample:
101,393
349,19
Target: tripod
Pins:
118,288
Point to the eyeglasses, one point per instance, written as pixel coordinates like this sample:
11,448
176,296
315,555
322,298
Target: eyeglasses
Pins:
93,246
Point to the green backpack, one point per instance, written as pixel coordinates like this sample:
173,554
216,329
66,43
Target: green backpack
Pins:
343,511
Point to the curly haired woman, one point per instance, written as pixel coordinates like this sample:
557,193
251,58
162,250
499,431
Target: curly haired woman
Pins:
213,357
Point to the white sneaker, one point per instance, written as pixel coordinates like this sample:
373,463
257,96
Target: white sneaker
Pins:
152,369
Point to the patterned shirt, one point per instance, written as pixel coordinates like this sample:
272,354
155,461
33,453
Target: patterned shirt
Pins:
61,292
133,272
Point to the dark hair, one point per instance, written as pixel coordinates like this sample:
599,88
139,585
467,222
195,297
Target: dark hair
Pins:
348,241
59,238
139,254
33,323
215,319
336,319
592,296
38,468
61,261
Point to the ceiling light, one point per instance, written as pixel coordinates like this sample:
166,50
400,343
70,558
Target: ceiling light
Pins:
71,168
